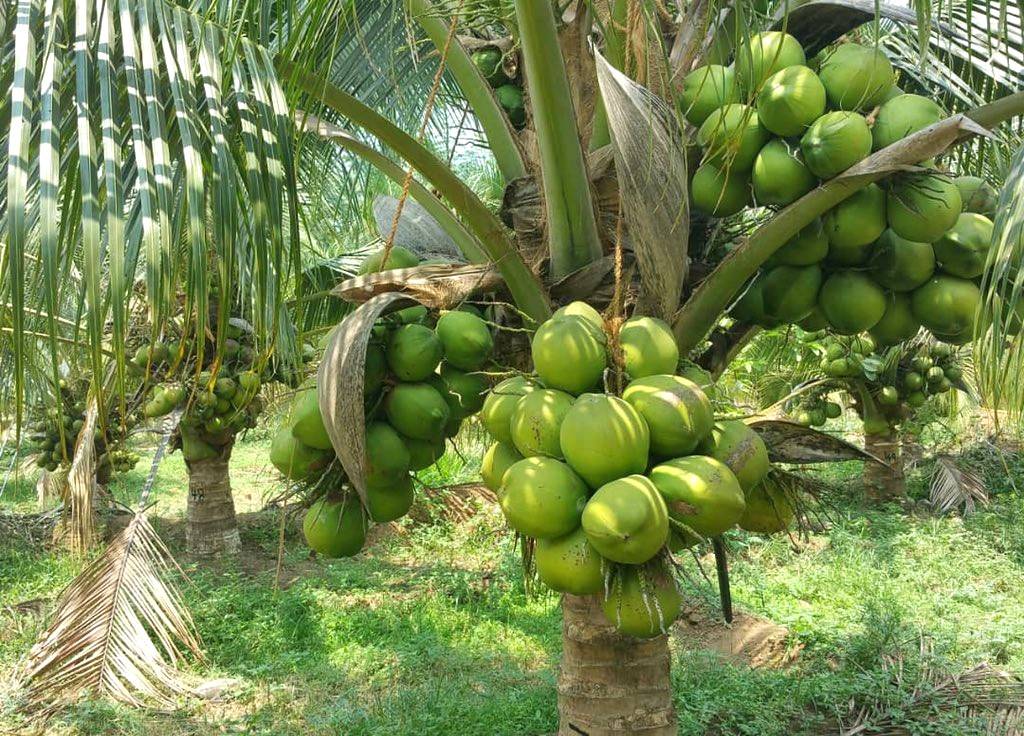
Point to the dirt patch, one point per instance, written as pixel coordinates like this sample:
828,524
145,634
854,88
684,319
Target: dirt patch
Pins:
749,639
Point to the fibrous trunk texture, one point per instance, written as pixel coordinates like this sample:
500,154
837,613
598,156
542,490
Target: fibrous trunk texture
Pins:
610,684
211,528
885,483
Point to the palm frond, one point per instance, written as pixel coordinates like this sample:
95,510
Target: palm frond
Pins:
952,487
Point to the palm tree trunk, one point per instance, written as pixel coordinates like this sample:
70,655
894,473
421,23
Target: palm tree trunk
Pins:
885,483
211,527
610,684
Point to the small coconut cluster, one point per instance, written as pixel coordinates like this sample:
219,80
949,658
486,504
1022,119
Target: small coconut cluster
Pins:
509,93
606,485
889,259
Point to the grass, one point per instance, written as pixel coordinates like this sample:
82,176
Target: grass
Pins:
430,631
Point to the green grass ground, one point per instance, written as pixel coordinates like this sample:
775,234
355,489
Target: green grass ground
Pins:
430,630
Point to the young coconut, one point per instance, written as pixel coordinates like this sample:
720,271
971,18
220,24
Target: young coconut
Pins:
648,347
856,77
642,601
719,192
763,55
569,354
626,520
851,302
537,420
701,492
780,175
604,438
899,264
676,410
790,100
335,528
542,498
732,136
570,564
963,249
835,142
923,207
902,115
706,89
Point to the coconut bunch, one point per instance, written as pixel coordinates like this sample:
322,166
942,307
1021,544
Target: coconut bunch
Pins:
607,485
890,259
424,375
492,65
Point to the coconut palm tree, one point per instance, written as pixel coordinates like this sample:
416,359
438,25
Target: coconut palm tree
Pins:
207,113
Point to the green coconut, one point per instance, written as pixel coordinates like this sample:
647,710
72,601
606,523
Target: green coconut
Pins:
750,307
922,208
648,347
295,460
808,246
899,264
488,61
389,501
194,449
414,352
963,249
399,257
769,509
466,340
790,100
677,412
626,520
763,55
307,422
411,315
570,564
387,457
780,176
702,377
856,77
542,498
815,321
603,438
719,192
537,420
740,448
335,528
732,136
569,354
977,195
417,410
902,115
706,89
499,405
853,225
584,310
468,389
498,458
946,305
701,492
642,602
424,453
898,323
375,369
510,97
790,293
835,142
852,302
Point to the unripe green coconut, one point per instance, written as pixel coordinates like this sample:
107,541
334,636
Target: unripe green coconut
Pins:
569,354
499,405
375,368
856,77
977,195
414,352
780,175
399,257
642,603
542,498
815,321
570,564
898,323
498,458
894,91
899,264
537,420
295,460
466,340
389,501
769,509
835,142
790,100
307,422
732,136
455,409
677,412
469,389
790,293
808,246
335,528
194,449
603,438
415,315
417,410
584,310
851,302
488,61
750,306
900,116
946,305
764,54
626,520
922,208
424,453
701,492
963,250
648,347
853,225
700,376
740,448
387,458
719,192
510,97
706,89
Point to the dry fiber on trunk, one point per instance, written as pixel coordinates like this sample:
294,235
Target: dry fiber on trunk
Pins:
211,528
611,684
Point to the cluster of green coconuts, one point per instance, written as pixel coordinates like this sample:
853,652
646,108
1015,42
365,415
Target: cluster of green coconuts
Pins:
508,93
607,485
890,258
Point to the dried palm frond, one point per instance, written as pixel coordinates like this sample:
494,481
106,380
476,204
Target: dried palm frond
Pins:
953,487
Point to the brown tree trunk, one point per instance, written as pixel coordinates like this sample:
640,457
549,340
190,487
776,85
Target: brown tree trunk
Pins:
211,527
610,684
885,483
